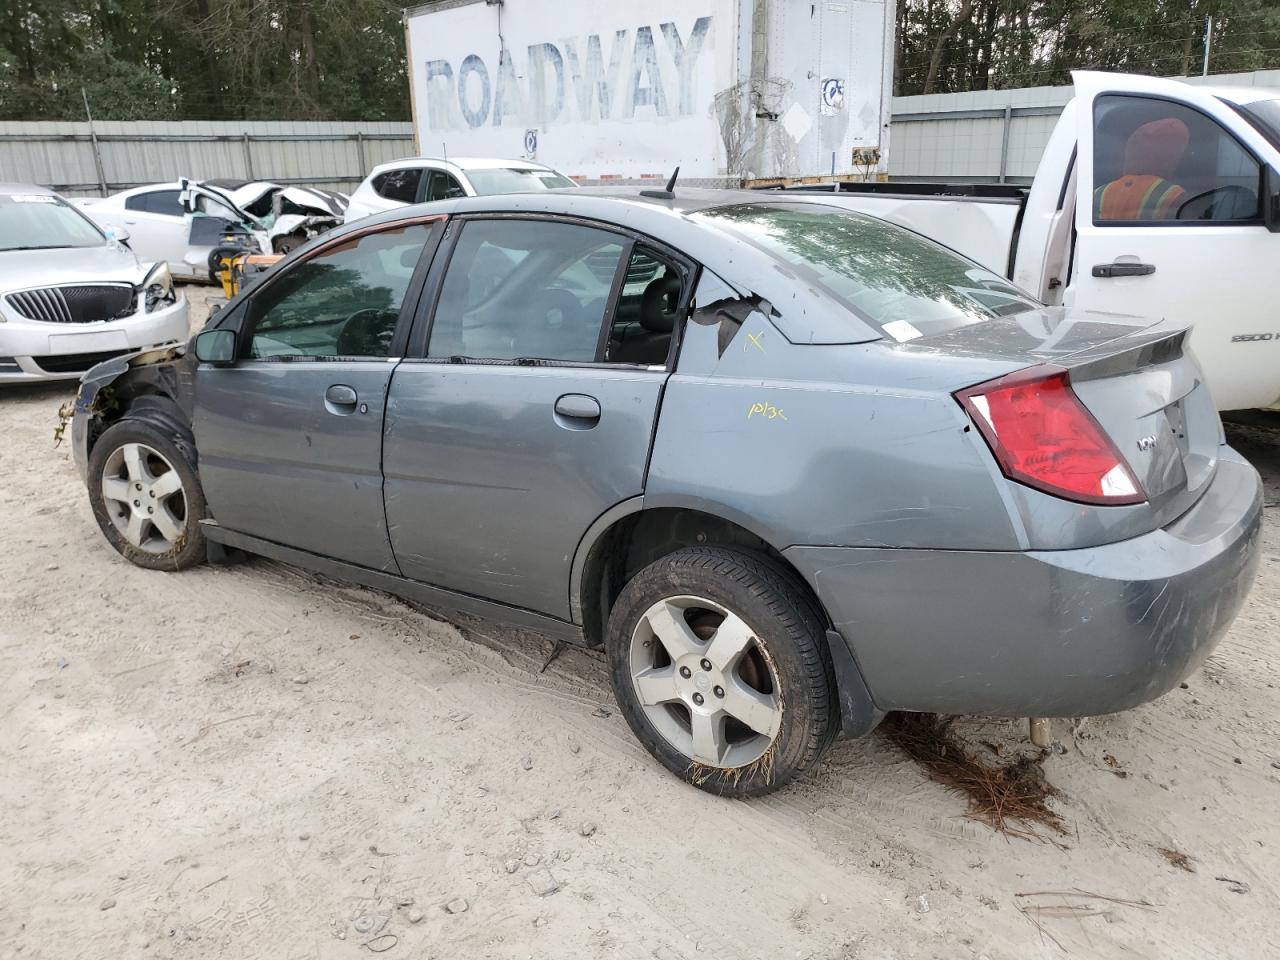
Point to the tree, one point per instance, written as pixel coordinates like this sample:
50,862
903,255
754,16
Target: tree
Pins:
203,59
952,45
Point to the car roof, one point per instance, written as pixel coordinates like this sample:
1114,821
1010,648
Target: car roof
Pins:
469,163
9,189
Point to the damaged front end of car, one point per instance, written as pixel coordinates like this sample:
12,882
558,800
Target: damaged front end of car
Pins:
152,386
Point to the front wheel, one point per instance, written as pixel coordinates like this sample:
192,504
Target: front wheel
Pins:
146,497
719,663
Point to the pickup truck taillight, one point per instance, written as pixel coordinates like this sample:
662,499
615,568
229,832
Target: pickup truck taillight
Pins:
1043,436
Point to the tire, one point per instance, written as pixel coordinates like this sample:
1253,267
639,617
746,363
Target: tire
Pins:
289,243
162,532
781,680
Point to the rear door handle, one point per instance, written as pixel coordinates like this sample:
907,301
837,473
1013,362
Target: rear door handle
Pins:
340,399
1123,269
578,408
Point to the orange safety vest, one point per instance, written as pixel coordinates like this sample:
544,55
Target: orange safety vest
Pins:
1137,197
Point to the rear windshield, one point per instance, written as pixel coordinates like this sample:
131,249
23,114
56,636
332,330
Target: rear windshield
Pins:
513,180
41,221
897,280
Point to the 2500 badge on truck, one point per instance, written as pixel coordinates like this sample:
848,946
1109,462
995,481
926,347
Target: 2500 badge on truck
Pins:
684,427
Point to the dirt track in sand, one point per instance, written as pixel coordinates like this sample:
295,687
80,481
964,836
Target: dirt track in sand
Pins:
172,787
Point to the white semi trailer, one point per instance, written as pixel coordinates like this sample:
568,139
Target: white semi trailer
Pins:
728,90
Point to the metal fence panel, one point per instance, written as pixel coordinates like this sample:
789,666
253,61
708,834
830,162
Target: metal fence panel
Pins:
61,155
993,135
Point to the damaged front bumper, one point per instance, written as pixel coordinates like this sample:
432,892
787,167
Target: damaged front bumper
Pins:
95,396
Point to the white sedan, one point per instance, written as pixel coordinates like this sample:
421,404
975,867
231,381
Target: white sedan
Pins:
421,179
72,295
181,223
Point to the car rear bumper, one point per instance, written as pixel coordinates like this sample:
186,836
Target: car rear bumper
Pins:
31,351
1046,633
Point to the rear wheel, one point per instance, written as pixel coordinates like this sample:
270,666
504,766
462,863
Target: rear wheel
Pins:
146,497
719,663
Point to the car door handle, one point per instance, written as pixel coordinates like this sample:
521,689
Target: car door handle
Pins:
340,399
579,409
1123,269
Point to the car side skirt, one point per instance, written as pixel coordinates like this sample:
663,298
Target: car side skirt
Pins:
392,583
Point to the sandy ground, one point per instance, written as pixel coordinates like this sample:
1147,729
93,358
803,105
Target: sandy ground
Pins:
251,762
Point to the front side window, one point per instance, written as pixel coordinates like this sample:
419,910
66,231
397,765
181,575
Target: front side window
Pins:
903,283
516,180
1157,161
526,289
443,187
41,221
344,302
399,185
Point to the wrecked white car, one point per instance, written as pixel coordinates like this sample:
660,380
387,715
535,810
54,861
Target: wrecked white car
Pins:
187,222
291,215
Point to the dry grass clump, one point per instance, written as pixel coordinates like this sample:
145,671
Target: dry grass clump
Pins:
1010,797
1176,858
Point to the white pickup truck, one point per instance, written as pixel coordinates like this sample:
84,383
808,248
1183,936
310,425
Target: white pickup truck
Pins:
1153,198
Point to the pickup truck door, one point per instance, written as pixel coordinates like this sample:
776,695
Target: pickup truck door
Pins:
1169,224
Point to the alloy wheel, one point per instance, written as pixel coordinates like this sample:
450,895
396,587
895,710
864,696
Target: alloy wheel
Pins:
144,498
705,681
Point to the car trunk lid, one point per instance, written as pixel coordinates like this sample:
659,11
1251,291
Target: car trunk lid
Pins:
1137,380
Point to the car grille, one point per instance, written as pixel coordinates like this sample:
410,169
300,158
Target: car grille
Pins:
75,304
75,362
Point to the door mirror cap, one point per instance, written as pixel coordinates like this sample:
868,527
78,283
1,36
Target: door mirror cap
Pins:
117,234
217,347
1271,199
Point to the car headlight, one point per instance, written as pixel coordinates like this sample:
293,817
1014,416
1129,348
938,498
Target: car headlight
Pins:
158,288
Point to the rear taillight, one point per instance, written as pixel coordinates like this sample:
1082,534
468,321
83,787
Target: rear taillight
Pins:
1043,436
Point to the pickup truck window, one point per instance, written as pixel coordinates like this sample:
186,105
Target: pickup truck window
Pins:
900,281
1156,161
1265,117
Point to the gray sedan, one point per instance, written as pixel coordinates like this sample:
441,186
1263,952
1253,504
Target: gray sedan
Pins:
791,466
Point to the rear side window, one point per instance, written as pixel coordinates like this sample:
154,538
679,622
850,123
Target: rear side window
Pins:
399,185
903,283
647,311
526,289
1157,161
164,202
344,302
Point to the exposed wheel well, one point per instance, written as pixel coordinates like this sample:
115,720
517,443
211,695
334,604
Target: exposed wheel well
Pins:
635,541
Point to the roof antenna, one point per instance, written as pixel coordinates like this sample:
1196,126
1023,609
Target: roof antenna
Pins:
668,193
445,147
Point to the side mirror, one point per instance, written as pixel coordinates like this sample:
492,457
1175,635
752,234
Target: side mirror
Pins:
1271,199
217,347
118,234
